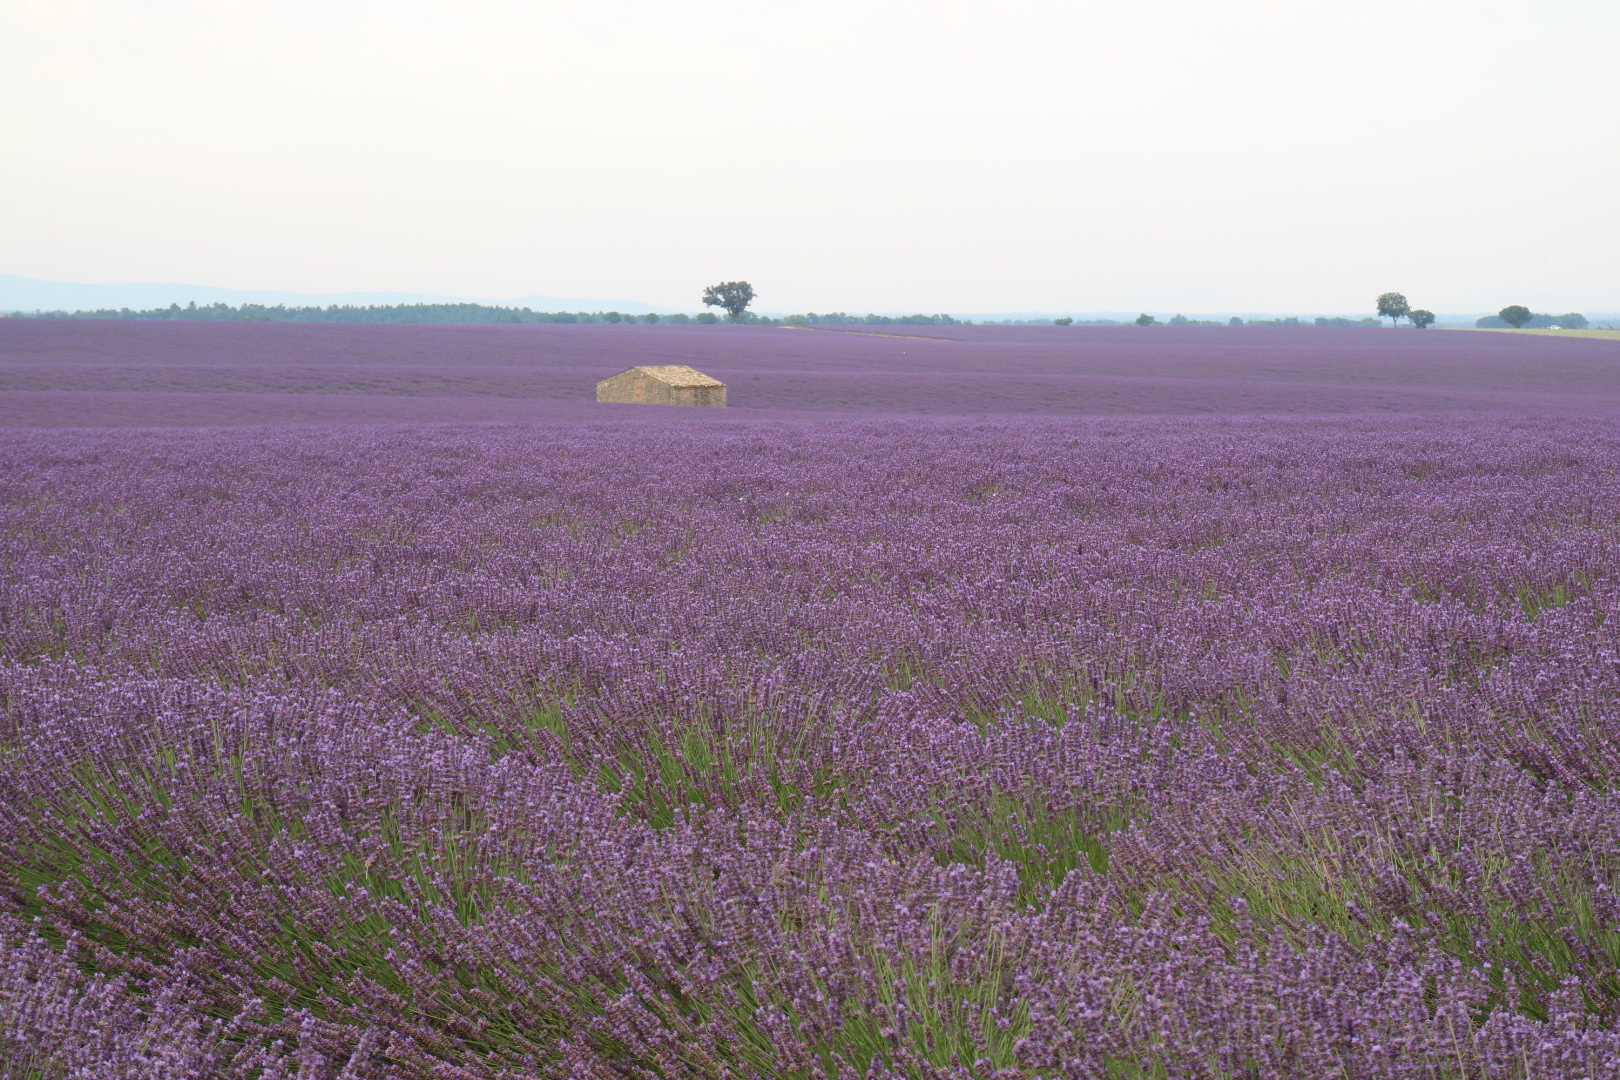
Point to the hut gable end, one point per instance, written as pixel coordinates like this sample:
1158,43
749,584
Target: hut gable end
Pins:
662,384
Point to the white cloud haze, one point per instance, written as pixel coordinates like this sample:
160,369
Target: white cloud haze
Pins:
930,155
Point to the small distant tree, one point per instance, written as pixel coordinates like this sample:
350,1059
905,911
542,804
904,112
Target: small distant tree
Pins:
1065,321
734,296
1515,315
1234,321
1145,319
1393,306
612,317
650,317
708,318
1420,318
1180,320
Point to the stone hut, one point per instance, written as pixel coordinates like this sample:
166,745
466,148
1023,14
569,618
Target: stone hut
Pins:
662,384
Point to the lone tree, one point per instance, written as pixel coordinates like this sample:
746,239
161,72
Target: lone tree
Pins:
1145,319
1393,306
1515,315
734,296
1420,318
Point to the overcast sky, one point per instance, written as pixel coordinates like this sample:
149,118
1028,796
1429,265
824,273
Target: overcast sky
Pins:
936,155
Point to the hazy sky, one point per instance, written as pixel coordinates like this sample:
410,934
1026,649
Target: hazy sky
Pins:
937,155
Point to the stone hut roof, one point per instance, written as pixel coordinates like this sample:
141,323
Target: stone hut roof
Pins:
678,375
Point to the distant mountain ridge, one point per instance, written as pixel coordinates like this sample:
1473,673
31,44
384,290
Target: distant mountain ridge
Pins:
19,293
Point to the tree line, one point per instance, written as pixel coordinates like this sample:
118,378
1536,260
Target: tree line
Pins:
734,297
368,313
1145,319
1518,316
1393,306
471,313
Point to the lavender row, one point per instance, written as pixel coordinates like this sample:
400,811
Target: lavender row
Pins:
1088,748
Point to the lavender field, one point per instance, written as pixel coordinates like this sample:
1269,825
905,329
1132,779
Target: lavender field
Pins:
371,707
63,372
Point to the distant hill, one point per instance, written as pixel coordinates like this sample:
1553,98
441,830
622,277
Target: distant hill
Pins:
18,293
